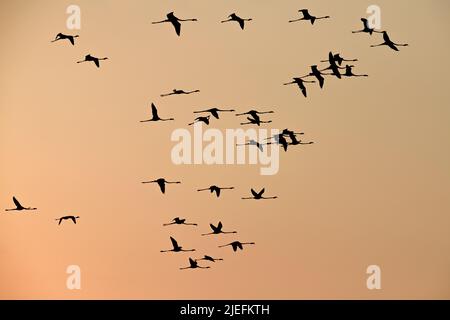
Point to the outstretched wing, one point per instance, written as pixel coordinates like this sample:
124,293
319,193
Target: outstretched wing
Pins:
74,220
241,23
97,63
174,242
162,186
213,227
220,226
17,203
71,39
177,26
254,193
154,111
217,190
261,192
239,245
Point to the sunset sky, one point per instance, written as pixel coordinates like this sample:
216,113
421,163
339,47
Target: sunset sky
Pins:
374,189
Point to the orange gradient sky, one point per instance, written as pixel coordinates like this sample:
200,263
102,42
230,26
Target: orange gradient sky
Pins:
373,189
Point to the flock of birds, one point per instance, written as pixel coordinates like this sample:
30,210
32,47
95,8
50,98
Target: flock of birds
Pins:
334,62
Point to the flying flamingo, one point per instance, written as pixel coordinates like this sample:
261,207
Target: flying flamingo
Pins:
253,143
259,195
176,247
174,21
300,82
255,120
388,42
308,16
316,73
214,111
215,189
155,116
338,59
178,220
61,36
178,91
236,244
295,142
209,258
88,58
194,265
234,17
201,119
281,140
73,218
349,72
366,28
218,230
253,113
162,183
19,207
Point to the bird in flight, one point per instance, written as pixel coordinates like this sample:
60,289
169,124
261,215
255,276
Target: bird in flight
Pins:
333,66
201,119
178,91
162,183
155,116
315,72
174,21
217,230
256,120
300,82
88,58
61,36
176,247
178,220
349,72
388,42
215,189
194,265
281,140
236,245
259,195
338,59
366,28
252,142
19,207
234,17
295,142
254,113
308,16
209,258
73,218
214,111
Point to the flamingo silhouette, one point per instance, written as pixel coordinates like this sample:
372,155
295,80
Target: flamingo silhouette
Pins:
176,247
300,82
333,66
162,183
256,120
19,207
349,72
237,245
89,58
285,132
308,16
178,220
388,42
281,140
215,189
254,113
73,218
366,28
209,258
155,116
194,265
178,91
315,72
214,111
174,21
338,59
295,142
201,119
253,143
234,17
259,195
217,230
61,36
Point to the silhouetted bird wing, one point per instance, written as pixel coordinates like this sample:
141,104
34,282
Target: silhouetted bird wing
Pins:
162,186
72,41
241,22
174,242
177,26
254,193
239,245
220,226
208,258
74,220
97,63
217,190
215,114
392,46
154,111
192,262
60,220
17,203
213,227
261,192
